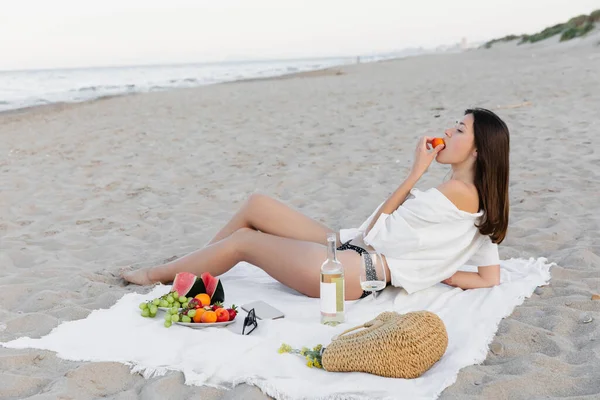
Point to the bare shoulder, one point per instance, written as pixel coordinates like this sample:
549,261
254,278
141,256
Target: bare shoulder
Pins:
464,196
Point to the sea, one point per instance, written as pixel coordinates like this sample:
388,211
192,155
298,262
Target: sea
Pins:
30,88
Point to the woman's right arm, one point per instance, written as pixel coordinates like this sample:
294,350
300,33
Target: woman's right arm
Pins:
423,158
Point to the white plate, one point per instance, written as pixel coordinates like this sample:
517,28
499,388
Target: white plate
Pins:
200,325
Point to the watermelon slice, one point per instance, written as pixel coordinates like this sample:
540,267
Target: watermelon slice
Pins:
214,288
189,285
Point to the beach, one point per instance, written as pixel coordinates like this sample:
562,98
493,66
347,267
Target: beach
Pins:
136,180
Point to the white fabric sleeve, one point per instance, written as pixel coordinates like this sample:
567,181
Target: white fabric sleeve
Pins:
486,255
392,235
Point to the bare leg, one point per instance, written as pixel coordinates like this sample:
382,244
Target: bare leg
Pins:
260,213
292,262
215,259
265,214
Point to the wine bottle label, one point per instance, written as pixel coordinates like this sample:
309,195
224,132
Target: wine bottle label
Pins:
328,298
339,293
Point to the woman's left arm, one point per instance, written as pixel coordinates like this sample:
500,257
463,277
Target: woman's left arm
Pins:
485,277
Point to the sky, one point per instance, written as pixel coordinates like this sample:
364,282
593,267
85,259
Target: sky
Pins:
83,33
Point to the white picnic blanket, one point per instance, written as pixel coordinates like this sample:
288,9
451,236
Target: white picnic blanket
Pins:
221,357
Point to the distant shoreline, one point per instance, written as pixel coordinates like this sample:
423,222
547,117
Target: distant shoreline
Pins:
327,71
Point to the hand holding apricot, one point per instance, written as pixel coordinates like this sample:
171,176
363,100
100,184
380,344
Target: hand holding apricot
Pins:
436,142
423,158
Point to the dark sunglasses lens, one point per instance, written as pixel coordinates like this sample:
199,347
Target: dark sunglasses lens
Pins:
250,320
247,323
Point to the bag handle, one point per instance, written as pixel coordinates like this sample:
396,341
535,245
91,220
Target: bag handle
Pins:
374,324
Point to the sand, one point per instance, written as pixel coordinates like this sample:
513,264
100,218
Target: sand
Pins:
138,179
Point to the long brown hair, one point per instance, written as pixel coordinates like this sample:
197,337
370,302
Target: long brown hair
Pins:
492,142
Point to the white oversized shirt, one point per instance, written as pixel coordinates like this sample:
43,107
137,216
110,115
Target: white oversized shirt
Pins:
426,240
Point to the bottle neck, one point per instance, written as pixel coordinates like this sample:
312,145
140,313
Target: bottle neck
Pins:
331,248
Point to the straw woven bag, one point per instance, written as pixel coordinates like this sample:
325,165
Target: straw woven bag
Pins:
392,345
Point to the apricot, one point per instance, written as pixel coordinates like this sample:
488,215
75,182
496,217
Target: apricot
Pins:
437,141
208,317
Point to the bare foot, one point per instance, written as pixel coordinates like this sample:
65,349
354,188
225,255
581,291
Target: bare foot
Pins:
138,276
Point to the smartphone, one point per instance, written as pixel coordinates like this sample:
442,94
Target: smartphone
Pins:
263,310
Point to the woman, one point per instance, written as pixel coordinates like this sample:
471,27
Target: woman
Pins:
424,237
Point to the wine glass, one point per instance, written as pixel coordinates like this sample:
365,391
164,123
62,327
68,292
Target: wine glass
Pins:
372,272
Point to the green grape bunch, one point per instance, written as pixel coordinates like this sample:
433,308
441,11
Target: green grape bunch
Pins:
172,302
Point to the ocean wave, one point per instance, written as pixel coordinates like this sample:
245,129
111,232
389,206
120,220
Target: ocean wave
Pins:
100,88
185,80
158,88
85,89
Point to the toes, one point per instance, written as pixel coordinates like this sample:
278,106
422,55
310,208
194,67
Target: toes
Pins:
125,270
136,277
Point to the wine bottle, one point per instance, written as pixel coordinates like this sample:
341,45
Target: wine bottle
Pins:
332,286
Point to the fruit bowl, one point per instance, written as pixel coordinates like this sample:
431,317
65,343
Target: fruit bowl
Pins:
200,325
183,305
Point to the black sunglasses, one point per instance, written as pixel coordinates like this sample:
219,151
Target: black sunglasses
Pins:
250,320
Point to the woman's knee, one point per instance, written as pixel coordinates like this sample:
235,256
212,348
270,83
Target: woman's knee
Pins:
253,206
240,242
256,200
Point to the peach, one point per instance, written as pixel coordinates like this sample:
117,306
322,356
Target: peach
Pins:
222,315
